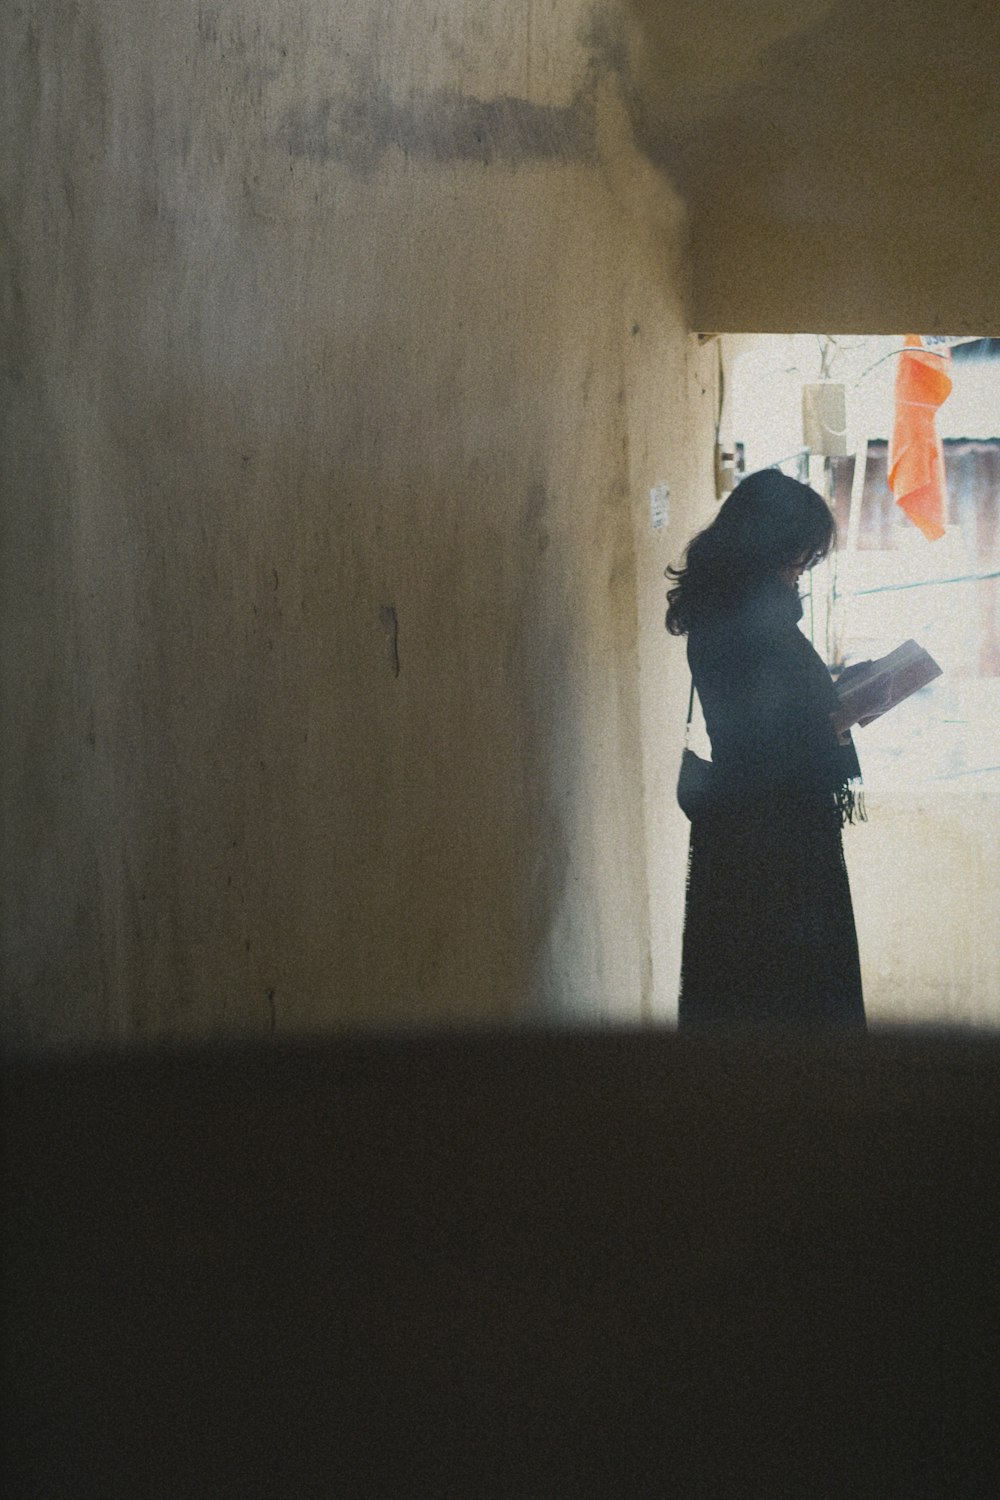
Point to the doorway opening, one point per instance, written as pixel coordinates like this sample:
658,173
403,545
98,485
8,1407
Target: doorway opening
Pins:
925,869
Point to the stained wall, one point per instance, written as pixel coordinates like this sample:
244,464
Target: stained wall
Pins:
343,346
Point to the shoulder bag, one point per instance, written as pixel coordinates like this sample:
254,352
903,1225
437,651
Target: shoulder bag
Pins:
694,782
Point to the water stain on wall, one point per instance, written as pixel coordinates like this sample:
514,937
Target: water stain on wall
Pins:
443,126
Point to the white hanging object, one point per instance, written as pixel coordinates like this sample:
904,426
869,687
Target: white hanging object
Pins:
824,418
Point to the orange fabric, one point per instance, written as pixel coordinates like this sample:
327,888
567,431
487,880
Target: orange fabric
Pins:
916,474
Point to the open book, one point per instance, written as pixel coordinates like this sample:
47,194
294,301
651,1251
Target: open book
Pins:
871,689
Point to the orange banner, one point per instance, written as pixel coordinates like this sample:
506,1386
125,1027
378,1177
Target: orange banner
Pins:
916,471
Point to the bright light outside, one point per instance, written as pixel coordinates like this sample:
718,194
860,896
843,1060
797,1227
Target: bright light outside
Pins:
926,868
888,582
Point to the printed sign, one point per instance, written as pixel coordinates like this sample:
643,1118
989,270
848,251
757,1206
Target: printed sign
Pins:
659,506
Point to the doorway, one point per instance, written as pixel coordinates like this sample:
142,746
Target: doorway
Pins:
925,868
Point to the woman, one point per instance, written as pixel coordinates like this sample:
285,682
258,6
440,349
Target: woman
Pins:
769,931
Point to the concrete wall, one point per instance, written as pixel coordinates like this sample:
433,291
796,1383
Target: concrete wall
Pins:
838,157
925,875
342,347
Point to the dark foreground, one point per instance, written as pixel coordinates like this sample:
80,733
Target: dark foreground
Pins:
616,1264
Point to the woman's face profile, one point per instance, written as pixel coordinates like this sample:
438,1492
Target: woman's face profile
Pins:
794,571
802,564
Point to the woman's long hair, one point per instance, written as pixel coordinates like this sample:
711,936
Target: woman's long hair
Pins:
768,523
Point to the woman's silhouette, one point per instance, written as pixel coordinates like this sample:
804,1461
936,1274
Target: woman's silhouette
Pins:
769,933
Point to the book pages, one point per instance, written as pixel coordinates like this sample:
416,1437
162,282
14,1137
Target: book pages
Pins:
866,694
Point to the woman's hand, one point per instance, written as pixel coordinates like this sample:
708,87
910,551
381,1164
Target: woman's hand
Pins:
842,719
853,670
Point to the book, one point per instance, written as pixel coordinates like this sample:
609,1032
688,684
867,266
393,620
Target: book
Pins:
872,688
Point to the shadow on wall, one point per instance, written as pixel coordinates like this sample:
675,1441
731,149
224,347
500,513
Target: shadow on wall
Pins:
321,464
295,795
840,140
689,65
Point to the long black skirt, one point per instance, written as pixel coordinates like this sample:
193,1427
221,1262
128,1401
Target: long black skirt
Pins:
769,934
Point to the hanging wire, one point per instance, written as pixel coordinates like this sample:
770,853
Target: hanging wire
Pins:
907,349
921,583
826,346
798,455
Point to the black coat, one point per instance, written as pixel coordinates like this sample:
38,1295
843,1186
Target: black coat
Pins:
769,933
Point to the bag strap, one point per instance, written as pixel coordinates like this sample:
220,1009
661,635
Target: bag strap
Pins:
687,725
